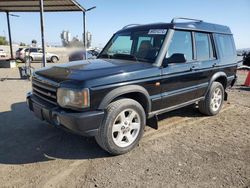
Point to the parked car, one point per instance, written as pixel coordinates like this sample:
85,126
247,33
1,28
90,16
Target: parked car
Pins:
246,58
143,71
20,53
3,54
35,54
81,55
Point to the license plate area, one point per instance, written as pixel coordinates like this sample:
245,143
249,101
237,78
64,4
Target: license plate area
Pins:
38,111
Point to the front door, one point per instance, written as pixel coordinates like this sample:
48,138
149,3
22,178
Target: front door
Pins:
179,79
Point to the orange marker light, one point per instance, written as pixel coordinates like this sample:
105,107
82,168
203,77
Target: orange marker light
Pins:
85,98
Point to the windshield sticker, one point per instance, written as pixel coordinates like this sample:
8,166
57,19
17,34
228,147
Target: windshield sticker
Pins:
157,31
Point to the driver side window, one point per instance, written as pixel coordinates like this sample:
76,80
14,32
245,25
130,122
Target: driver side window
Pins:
181,44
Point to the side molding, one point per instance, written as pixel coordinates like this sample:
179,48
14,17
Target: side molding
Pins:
125,90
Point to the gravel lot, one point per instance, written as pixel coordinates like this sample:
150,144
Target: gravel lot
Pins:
188,150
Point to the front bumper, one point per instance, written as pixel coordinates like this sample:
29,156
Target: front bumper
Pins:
82,123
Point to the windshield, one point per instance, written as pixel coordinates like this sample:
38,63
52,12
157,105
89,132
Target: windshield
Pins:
19,49
137,45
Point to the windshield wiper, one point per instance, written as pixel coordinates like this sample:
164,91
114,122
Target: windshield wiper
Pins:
125,56
105,56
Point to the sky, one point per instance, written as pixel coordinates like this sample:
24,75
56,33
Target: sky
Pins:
112,15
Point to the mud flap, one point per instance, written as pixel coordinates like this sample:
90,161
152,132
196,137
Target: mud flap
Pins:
225,96
153,122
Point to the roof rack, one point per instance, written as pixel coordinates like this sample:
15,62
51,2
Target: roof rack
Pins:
130,25
182,18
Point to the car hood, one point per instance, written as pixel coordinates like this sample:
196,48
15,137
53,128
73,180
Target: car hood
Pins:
90,69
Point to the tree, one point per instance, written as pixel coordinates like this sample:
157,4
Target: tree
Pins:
22,44
3,40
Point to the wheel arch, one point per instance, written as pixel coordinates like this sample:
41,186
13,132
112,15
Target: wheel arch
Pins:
220,77
29,56
55,57
135,92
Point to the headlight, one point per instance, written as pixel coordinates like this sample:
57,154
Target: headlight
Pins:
70,98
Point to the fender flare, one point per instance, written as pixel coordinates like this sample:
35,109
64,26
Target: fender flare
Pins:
214,77
125,90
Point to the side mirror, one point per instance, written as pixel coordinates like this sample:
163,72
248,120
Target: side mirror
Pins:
175,58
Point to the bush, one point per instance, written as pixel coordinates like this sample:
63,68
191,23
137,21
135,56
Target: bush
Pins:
3,40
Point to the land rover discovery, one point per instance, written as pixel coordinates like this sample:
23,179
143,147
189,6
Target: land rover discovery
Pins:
143,71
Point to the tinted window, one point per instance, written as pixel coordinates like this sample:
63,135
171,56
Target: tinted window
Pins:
226,45
181,43
33,49
203,46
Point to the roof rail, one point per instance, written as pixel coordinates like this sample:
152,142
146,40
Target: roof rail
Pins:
181,18
130,25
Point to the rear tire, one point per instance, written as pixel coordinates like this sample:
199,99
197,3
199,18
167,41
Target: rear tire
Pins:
54,59
122,127
213,101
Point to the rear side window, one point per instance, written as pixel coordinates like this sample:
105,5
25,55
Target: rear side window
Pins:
181,43
203,45
19,49
226,45
33,49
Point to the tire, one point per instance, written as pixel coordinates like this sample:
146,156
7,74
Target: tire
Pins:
28,59
117,134
213,102
54,59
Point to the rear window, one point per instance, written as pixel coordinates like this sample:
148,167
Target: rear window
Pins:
226,45
19,49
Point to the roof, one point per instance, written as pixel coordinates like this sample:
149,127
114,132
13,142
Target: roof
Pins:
193,26
33,6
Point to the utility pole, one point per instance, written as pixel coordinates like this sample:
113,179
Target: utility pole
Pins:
10,38
42,32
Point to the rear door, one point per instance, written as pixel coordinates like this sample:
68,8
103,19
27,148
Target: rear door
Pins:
34,53
39,54
179,80
205,56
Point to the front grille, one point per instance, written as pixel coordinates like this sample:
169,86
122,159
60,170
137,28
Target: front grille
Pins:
44,90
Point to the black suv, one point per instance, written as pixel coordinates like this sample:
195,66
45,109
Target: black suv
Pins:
143,71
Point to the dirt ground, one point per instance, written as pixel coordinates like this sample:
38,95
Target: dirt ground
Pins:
188,150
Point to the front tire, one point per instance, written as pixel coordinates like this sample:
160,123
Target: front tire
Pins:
122,127
214,100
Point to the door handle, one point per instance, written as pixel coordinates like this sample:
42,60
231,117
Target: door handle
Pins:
193,68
